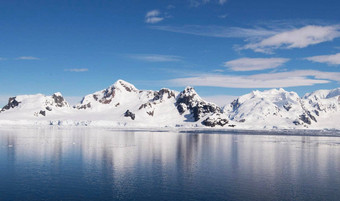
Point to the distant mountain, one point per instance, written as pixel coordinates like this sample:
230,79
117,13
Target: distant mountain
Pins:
272,108
123,105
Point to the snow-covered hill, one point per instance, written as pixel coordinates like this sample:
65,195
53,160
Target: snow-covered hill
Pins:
123,105
39,105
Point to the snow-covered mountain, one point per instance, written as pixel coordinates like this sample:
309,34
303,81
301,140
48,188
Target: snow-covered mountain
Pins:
123,105
272,108
325,106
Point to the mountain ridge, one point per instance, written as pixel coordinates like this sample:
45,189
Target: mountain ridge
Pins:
123,105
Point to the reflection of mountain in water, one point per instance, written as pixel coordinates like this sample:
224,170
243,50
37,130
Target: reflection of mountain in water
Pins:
108,164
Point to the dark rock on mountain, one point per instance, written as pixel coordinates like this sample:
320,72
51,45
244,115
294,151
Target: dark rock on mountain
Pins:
151,113
95,97
190,100
59,100
12,103
287,106
235,104
214,121
296,122
307,118
129,114
163,93
242,120
42,112
84,106
145,105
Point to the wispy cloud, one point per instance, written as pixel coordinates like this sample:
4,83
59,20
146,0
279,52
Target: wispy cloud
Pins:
156,57
218,70
264,38
170,7
196,3
222,2
2,59
27,58
223,16
252,64
265,80
296,38
153,17
218,31
77,70
333,59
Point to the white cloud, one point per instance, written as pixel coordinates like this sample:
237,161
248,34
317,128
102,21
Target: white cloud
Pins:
77,70
156,57
251,64
218,31
153,17
2,59
333,59
153,13
296,38
153,20
27,58
265,80
220,100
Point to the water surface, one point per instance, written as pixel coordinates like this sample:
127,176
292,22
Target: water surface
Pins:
102,164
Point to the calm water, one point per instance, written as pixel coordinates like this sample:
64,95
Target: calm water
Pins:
98,164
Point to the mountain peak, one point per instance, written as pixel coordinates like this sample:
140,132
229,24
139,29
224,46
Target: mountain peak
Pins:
189,91
123,85
57,94
59,100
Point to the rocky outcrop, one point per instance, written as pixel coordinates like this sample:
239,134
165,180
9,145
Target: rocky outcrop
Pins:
42,112
12,103
307,118
189,101
164,94
129,114
59,100
215,121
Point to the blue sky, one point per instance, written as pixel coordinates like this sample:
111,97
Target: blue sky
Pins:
221,47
